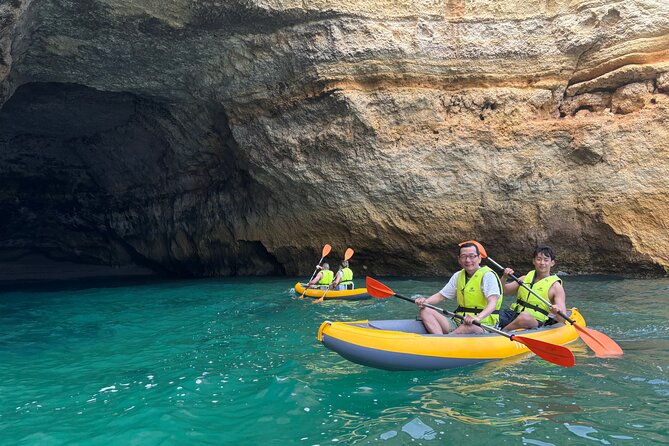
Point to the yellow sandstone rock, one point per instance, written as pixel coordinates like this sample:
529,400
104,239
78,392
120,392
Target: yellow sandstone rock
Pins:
263,129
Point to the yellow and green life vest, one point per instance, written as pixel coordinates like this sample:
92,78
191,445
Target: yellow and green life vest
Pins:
326,278
471,299
525,301
346,277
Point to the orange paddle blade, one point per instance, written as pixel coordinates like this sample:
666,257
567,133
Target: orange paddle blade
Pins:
554,353
348,254
377,289
320,299
326,250
478,245
602,345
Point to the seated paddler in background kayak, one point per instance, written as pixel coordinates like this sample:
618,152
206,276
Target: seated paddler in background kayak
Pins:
323,279
343,279
478,292
529,311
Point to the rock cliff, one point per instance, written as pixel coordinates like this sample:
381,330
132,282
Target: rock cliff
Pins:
219,138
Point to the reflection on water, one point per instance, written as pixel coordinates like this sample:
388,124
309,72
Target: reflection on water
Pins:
483,397
536,442
584,431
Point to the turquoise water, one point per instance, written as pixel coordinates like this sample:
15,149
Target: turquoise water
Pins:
237,361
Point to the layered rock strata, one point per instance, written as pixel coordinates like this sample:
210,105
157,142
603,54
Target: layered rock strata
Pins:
218,138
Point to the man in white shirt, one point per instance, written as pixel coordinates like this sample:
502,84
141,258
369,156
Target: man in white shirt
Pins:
478,292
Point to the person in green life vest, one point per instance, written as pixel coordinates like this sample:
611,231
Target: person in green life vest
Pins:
529,311
323,279
344,278
477,290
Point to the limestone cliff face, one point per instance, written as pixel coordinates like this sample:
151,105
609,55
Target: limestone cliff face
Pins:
208,138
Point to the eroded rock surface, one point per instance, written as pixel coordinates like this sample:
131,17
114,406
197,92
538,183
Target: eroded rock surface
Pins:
216,138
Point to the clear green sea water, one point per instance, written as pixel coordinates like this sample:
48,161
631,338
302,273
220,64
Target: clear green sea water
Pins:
217,362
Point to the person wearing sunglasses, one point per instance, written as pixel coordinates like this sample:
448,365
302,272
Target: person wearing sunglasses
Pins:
529,311
477,290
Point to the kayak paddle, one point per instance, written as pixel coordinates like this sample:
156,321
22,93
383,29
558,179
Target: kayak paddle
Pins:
347,255
556,354
602,345
326,250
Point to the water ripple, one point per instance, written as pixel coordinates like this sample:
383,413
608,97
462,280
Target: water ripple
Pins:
225,361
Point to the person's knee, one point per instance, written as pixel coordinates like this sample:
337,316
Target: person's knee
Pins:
523,317
427,313
468,329
527,320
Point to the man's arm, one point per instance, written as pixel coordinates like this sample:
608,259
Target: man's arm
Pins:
487,311
315,280
337,279
447,292
432,300
559,300
492,306
511,287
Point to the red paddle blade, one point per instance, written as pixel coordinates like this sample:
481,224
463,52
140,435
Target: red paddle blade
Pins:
326,250
377,289
348,254
602,345
478,245
554,353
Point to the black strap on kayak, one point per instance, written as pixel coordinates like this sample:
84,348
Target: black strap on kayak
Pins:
548,322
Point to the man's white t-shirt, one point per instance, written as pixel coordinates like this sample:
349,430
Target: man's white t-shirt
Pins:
489,284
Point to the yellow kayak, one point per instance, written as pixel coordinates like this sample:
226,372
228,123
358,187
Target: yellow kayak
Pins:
355,294
405,345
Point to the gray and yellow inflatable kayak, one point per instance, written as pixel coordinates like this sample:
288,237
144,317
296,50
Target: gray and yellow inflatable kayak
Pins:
405,345
354,294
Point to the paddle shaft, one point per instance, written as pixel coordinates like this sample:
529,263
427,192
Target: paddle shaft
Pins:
521,283
457,316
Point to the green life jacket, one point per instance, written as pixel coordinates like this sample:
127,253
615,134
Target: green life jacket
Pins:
525,301
346,276
471,299
326,277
